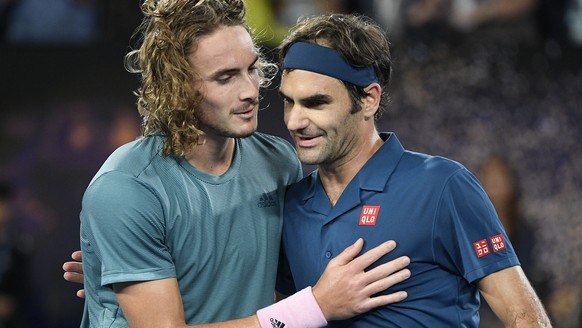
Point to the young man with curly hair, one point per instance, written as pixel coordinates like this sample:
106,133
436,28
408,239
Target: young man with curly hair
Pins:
183,226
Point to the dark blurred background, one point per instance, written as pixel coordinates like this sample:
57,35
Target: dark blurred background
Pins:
473,81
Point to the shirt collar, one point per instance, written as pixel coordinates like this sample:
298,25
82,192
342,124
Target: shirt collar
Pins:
375,173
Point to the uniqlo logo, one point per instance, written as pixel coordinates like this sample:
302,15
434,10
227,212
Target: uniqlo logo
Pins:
498,243
481,247
369,215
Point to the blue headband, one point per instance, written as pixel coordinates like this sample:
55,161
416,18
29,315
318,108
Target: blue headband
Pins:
327,61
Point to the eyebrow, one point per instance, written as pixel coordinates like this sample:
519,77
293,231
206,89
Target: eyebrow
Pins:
311,101
230,71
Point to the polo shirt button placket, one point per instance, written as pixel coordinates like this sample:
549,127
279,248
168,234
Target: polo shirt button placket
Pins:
328,255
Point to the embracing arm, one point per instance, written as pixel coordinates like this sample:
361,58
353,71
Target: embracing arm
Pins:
158,304
345,289
513,299
155,303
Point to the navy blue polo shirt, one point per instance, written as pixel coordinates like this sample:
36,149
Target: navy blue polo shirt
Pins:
435,210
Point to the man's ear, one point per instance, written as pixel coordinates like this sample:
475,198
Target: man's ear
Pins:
371,102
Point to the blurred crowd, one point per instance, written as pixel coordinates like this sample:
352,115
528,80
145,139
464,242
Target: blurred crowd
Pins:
493,84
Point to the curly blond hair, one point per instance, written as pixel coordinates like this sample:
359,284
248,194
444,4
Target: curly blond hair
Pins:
167,100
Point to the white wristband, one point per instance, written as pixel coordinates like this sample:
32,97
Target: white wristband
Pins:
299,310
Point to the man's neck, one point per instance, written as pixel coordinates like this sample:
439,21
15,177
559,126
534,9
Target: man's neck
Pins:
335,178
212,155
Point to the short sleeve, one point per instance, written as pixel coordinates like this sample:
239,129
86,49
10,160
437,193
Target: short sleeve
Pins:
122,222
469,237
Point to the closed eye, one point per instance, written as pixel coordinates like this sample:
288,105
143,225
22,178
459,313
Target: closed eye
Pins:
225,76
315,101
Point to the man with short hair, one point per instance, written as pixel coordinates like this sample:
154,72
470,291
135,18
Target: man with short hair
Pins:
336,70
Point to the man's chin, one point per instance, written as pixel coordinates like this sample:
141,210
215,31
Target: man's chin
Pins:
306,159
248,131
246,135
243,134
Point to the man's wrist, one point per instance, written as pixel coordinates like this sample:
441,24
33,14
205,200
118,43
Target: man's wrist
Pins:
298,310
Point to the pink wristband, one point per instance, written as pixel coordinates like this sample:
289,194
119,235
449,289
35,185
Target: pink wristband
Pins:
299,310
